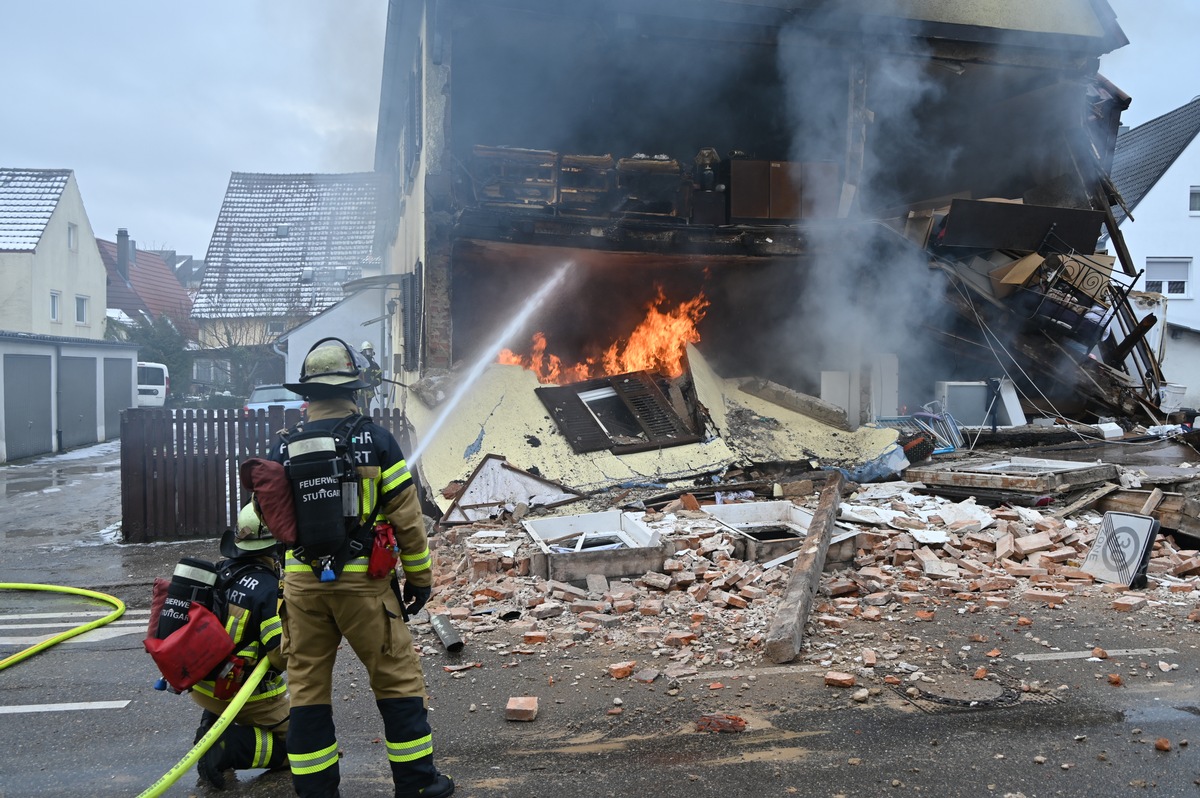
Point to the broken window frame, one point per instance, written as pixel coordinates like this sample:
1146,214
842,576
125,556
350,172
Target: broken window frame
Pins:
640,395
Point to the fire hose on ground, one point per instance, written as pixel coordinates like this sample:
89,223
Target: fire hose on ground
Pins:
205,742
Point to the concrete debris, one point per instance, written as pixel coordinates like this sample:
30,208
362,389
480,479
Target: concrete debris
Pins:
905,557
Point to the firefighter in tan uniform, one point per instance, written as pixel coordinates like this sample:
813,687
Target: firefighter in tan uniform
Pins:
325,602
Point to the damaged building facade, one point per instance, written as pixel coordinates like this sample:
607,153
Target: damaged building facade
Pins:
860,210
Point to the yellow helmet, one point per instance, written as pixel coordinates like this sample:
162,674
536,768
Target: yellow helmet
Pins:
332,362
250,537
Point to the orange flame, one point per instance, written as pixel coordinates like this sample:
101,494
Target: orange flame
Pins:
657,344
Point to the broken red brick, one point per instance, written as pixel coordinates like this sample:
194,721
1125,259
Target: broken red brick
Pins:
1099,653
651,607
522,708
1115,680
1045,596
679,639
621,670
714,722
1129,603
839,679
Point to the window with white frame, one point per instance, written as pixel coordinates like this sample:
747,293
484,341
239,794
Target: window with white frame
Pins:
55,306
72,236
1170,277
1194,200
81,310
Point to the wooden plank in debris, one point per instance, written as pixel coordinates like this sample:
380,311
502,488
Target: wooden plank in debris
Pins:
1175,511
1152,501
801,403
1020,477
1086,500
786,633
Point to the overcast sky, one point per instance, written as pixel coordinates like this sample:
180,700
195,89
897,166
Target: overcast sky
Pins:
154,102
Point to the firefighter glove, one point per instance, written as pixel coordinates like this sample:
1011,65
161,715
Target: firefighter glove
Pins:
415,597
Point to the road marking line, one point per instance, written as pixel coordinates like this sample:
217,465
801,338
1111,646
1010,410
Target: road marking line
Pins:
15,626
91,636
1112,652
22,708
36,616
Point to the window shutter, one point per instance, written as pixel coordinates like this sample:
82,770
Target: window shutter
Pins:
410,318
652,410
573,418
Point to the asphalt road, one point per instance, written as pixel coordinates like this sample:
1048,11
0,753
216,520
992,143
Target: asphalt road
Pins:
82,719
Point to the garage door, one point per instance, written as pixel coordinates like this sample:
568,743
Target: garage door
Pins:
77,400
27,427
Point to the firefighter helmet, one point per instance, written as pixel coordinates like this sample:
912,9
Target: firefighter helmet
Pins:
250,537
367,348
331,362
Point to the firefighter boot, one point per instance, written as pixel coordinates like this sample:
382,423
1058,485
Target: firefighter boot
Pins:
239,748
442,787
410,749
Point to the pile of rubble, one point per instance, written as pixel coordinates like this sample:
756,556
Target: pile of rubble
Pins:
898,554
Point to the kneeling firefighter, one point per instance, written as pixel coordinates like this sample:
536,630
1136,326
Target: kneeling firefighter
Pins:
246,600
357,516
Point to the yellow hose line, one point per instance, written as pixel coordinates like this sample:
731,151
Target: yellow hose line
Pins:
78,630
215,731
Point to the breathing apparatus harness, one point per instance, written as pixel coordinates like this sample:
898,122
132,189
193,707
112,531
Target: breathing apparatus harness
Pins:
320,465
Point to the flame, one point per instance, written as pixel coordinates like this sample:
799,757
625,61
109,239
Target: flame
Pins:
657,344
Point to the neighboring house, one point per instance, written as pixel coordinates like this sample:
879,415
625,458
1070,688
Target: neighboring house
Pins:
283,247
142,285
52,280
792,160
1156,169
61,384
360,317
188,270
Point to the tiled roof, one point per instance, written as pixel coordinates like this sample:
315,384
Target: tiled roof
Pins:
27,199
285,244
1144,153
151,288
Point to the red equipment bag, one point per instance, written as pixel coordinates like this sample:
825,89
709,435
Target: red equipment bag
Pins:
273,492
384,552
193,650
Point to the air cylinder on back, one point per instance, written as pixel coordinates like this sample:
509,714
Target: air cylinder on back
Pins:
193,580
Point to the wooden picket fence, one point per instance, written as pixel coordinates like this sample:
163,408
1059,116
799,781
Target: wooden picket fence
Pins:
179,468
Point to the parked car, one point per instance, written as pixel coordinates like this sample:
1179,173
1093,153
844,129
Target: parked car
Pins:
153,382
264,396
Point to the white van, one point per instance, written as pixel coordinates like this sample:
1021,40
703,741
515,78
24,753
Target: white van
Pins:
153,382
